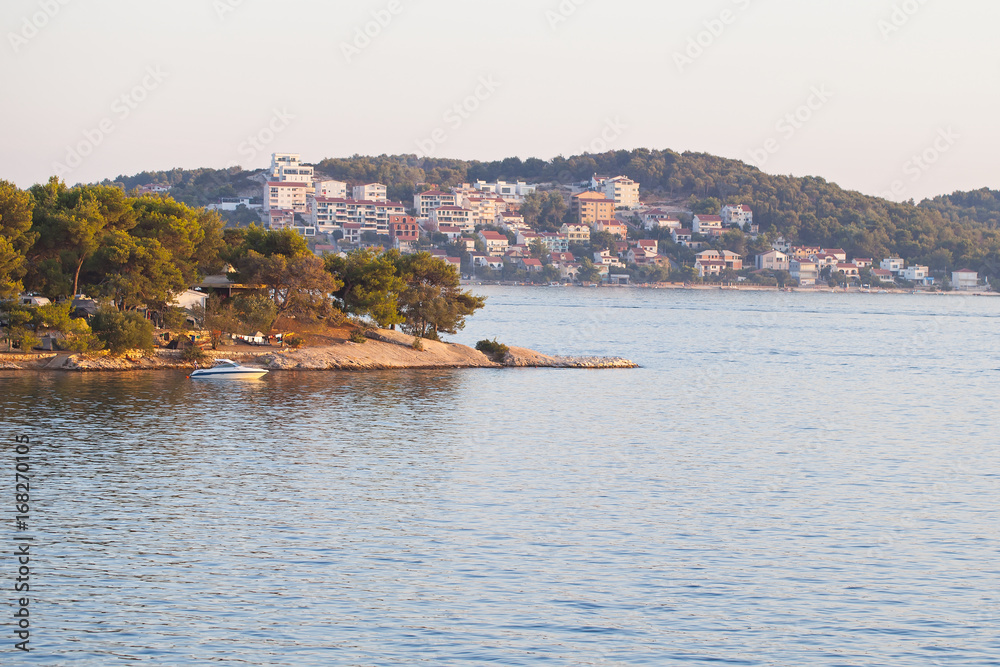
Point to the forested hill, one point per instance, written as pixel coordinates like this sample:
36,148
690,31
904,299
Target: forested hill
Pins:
956,231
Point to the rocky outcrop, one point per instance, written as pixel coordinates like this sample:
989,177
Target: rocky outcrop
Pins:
519,357
384,350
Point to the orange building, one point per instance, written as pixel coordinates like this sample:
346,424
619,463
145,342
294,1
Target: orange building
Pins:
589,207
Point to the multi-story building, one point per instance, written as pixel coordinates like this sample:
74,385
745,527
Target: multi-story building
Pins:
288,168
554,242
331,189
425,202
512,192
278,218
736,215
707,225
613,227
729,258
656,218
510,222
371,192
620,189
893,264
773,261
682,237
849,269
484,208
403,232
805,271
452,215
576,233
330,214
883,276
589,207
915,273
285,195
965,279
495,242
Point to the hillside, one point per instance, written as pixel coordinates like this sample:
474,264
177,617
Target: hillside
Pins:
955,231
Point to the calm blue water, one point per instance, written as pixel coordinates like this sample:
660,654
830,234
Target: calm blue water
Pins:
790,479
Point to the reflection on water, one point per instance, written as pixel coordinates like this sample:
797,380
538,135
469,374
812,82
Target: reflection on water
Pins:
787,480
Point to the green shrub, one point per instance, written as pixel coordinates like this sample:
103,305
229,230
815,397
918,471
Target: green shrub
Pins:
494,350
122,332
194,354
358,336
82,343
418,344
294,341
24,339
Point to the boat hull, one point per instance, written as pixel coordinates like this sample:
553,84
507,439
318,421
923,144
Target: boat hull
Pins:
250,374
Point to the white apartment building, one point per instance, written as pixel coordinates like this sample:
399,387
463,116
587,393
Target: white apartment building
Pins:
425,202
285,195
576,233
495,242
965,279
330,189
893,264
511,222
622,189
512,192
288,167
773,261
333,214
737,216
484,209
706,224
452,215
805,271
915,273
371,192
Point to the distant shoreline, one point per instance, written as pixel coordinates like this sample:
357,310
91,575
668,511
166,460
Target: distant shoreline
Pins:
732,288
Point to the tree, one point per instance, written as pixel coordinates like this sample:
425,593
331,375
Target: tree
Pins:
135,273
254,312
239,242
122,332
589,272
15,237
299,283
432,300
370,284
192,237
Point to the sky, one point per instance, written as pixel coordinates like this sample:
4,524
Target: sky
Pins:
894,98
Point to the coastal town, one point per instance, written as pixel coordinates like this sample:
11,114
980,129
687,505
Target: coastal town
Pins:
608,234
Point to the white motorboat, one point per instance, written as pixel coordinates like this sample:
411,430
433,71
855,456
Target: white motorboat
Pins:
226,369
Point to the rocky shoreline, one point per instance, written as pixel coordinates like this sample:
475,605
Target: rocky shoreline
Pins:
385,350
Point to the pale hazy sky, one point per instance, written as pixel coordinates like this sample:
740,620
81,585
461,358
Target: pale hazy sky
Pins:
155,84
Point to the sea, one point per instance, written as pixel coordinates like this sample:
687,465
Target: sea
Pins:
789,479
